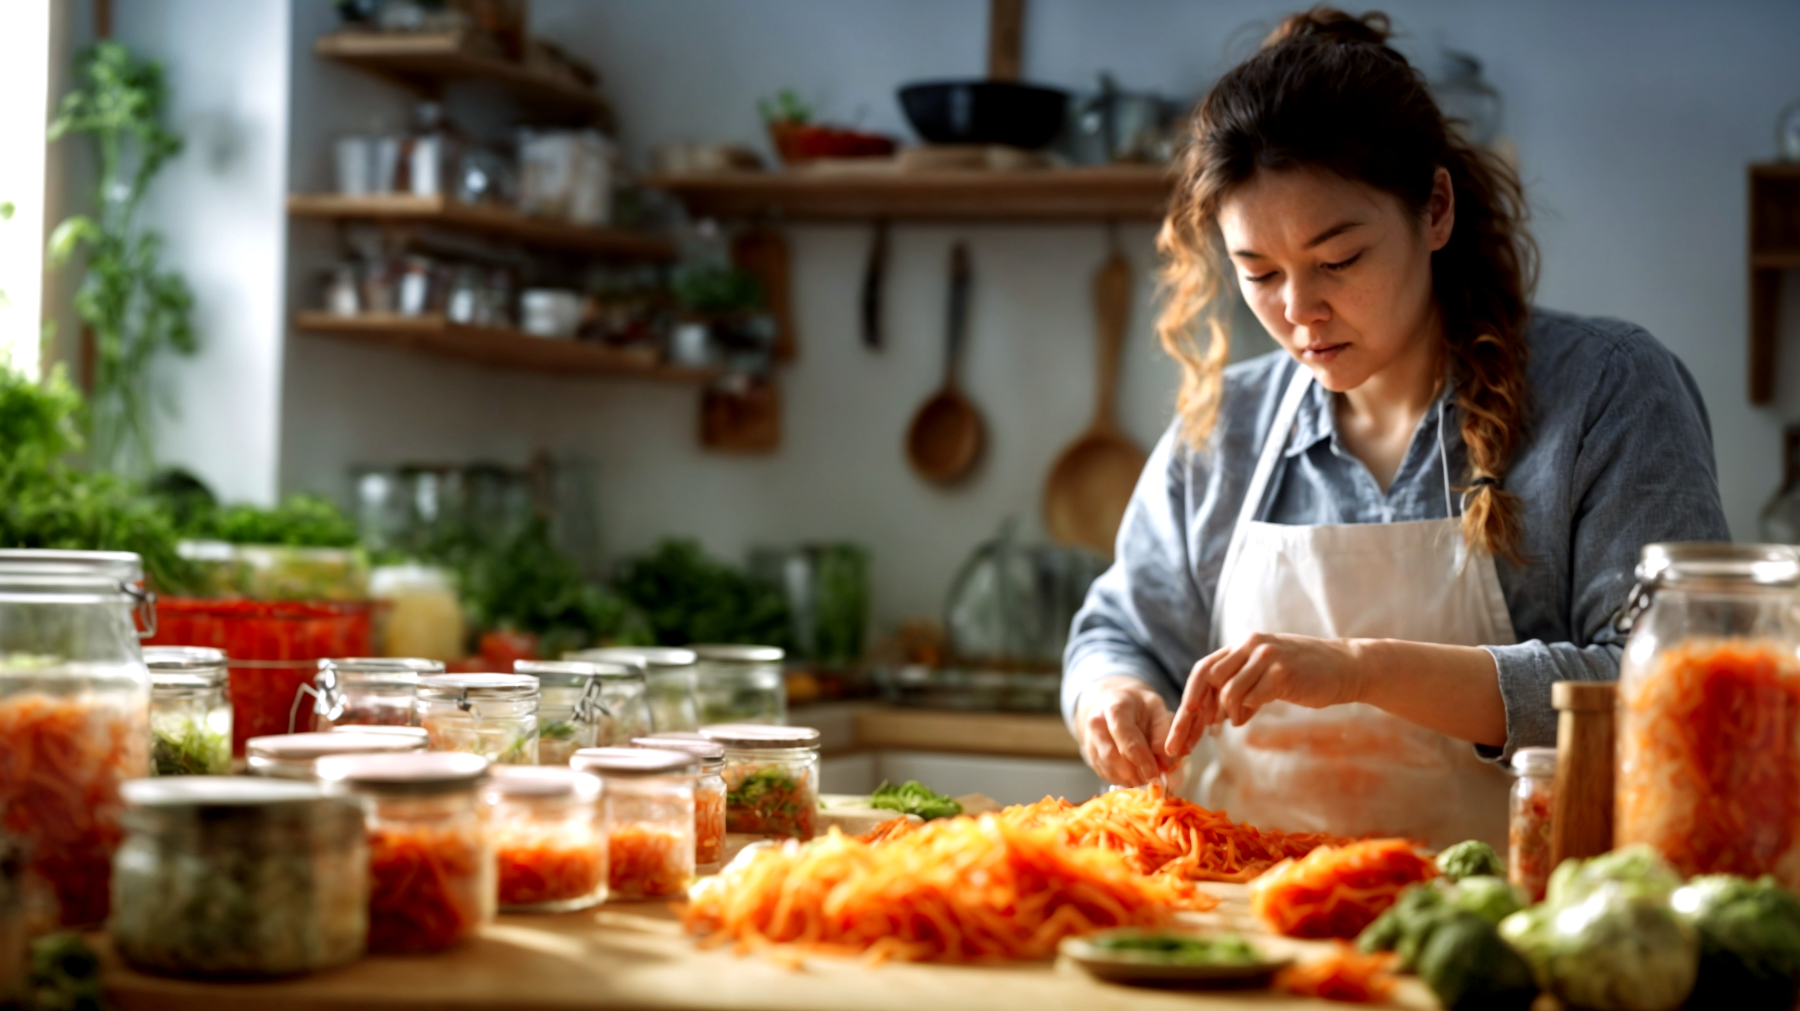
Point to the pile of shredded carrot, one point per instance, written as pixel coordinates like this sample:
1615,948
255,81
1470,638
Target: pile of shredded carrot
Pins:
648,862
1336,891
544,864
888,830
951,890
425,886
1343,975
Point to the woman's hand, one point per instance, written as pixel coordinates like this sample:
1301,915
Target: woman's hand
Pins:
1123,725
1232,684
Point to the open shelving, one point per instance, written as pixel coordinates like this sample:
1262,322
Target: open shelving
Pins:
502,222
429,60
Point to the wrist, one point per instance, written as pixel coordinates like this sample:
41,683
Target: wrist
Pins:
1366,656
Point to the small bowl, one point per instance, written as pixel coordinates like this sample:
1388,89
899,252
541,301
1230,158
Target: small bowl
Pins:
985,112
1140,968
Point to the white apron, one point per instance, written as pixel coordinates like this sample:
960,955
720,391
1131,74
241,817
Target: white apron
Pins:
1354,769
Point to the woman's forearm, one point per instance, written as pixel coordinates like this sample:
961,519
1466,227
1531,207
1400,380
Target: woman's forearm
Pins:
1454,690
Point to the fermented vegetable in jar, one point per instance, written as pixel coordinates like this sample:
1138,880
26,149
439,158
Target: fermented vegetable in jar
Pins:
1709,711
586,704
491,715
671,680
190,711
549,838
223,876
376,691
1528,832
709,792
771,778
741,684
74,715
649,816
297,756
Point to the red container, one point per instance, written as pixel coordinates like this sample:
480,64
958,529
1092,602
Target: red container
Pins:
274,646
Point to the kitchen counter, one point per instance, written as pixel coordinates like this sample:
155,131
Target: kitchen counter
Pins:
634,956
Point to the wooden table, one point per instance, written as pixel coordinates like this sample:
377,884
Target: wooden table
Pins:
634,956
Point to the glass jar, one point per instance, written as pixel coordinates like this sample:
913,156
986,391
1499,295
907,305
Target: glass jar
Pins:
236,877
190,711
296,756
649,818
416,733
549,838
771,778
491,715
74,715
1709,710
1528,834
709,792
431,857
368,690
741,684
671,681
586,704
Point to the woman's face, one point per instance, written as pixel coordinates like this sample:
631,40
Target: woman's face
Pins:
1338,272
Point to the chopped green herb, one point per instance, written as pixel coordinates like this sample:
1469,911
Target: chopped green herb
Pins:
189,748
1184,949
769,801
913,797
557,730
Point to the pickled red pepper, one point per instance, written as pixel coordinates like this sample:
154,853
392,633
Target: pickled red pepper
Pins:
647,862
546,865
425,886
709,825
1528,844
770,801
1709,751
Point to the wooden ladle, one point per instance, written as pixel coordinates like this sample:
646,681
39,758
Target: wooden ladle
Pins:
1091,483
945,437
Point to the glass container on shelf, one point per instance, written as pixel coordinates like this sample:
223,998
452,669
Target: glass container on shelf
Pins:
74,715
709,791
491,715
671,681
586,704
431,853
549,838
1709,710
190,711
296,756
649,816
1528,837
771,778
233,877
741,684
368,690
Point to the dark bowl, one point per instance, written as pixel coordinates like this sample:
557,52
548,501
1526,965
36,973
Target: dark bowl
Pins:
985,112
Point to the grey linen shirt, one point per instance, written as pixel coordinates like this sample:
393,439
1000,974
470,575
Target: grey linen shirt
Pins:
1617,453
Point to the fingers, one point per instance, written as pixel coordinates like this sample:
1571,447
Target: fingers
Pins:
1127,724
1253,685
1161,721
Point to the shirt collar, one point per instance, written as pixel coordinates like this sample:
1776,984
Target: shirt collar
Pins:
1316,421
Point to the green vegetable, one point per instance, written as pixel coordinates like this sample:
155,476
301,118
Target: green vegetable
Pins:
557,730
1619,947
769,801
1468,859
1492,899
687,597
1470,968
300,521
65,975
1749,942
188,748
785,107
1184,949
913,797
1407,924
1636,870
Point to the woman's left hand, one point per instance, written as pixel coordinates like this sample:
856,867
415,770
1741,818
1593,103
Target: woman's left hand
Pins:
1234,683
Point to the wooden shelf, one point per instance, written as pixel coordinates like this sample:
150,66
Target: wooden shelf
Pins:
497,347
430,60
487,220
1137,192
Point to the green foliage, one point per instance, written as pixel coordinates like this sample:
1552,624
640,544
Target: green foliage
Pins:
134,308
299,521
785,107
525,584
687,597
914,797
716,289
1469,858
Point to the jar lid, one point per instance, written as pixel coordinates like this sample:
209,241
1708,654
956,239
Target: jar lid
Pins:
184,666
1534,762
478,686
632,762
733,653
761,736
545,781
574,672
306,747
206,792
694,744
1717,564
420,772
98,573
648,657
394,669
411,733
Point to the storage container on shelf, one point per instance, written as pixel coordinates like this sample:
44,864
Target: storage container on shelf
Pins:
650,818
771,778
741,684
74,715
586,704
235,877
671,681
491,715
368,690
431,855
190,711
549,838
709,792
1528,837
296,756
1709,710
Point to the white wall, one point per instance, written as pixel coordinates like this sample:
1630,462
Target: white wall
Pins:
1633,122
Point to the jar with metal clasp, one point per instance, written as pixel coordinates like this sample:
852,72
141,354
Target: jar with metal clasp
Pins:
586,704
741,684
671,681
376,691
491,715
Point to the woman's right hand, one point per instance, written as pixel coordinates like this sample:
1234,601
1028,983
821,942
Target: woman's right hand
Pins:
1123,724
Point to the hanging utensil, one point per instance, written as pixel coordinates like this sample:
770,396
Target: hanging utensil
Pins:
945,437
874,277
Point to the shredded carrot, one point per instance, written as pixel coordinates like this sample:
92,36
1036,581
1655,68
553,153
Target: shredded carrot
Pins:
709,822
952,890
890,829
1336,891
425,886
649,862
1343,975
545,864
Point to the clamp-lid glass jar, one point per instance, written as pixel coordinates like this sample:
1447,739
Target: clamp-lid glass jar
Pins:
74,714
190,711
671,681
431,858
709,792
227,876
368,690
585,704
1709,710
771,778
549,838
1528,836
491,715
741,684
649,818
296,756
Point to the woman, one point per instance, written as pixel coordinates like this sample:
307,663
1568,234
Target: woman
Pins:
1383,543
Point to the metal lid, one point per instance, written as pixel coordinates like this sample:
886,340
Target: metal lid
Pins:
224,807
648,657
633,762
395,669
710,755
421,772
478,686
1719,564
411,733
185,667
761,736
733,653
126,566
307,747
574,672
27,574
542,781
1534,762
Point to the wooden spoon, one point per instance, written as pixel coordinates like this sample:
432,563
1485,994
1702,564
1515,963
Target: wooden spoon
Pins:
1091,483
945,438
